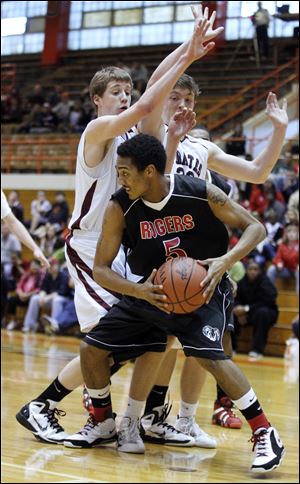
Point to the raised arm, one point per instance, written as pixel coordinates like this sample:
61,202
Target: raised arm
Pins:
180,124
193,48
233,215
256,171
169,61
17,228
108,127
107,248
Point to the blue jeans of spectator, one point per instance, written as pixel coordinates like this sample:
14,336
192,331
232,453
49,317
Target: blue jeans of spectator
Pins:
284,273
67,318
31,318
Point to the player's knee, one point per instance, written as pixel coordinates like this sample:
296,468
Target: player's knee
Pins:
211,366
92,353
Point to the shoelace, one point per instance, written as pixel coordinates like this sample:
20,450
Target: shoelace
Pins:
164,414
52,419
260,441
187,427
130,430
91,423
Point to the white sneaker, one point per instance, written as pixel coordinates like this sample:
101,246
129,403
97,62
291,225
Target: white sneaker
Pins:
94,433
155,429
50,324
269,450
37,417
255,356
189,426
11,326
129,438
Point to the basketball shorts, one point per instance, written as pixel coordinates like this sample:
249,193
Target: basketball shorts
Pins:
91,301
133,326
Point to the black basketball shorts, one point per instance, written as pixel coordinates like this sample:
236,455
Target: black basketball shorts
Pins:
133,327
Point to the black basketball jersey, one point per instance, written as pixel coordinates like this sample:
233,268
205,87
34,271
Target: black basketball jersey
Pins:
182,224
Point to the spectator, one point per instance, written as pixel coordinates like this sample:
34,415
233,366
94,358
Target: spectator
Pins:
286,261
78,118
255,305
15,271
49,238
15,205
53,295
9,246
55,96
200,131
66,319
261,20
266,249
40,209
62,110
292,344
272,201
37,97
293,202
237,147
258,201
4,291
59,214
139,75
28,285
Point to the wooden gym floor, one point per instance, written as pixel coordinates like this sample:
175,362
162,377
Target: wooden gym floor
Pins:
30,362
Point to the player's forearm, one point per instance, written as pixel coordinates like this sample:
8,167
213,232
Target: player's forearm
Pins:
20,231
167,64
265,161
109,279
171,150
157,93
252,235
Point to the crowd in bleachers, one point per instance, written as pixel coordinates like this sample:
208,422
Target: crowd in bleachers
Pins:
56,110
23,281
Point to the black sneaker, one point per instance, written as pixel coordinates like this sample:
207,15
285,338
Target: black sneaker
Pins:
37,417
269,450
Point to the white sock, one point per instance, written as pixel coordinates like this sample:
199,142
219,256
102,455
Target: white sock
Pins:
187,409
99,392
246,400
134,408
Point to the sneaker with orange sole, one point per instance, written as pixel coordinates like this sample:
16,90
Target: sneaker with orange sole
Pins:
224,415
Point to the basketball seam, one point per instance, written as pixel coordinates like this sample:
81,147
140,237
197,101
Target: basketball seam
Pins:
174,288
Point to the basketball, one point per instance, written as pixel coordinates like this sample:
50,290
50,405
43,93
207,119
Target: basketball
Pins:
181,278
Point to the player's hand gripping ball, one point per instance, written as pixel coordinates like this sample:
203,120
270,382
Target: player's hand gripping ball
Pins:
181,278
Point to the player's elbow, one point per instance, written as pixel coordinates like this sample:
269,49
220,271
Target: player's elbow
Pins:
146,107
261,231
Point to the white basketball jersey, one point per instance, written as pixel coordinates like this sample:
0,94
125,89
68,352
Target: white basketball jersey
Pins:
94,186
191,157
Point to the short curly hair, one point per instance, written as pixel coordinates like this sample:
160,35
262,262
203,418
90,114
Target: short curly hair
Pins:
144,150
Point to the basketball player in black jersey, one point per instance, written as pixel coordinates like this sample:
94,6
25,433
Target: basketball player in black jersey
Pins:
167,216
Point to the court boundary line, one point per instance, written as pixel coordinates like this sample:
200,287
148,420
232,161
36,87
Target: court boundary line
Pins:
59,474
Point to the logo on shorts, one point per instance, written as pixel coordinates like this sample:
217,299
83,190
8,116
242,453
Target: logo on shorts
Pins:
211,333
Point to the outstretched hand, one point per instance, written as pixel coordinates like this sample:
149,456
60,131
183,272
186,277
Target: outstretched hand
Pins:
38,254
181,123
198,15
278,116
196,48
